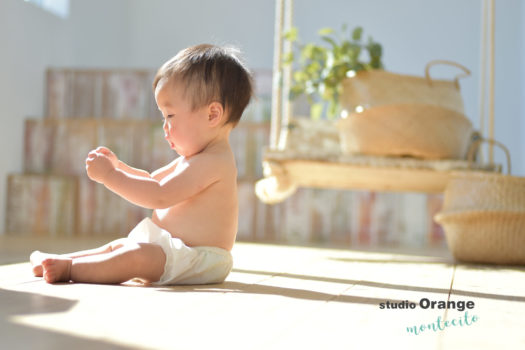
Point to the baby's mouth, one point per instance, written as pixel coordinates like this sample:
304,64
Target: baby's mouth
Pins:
172,145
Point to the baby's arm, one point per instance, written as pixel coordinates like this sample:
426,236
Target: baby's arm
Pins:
161,173
134,171
118,164
192,176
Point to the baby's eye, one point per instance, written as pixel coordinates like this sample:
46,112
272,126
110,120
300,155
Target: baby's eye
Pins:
169,116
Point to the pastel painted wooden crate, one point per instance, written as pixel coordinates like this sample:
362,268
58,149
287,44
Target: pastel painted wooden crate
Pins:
257,221
85,93
125,94
247,140
343,218
41,205
60,147
247,211
39,145
101,212
72,143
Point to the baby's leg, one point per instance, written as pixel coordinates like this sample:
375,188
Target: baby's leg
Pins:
37,257
133,260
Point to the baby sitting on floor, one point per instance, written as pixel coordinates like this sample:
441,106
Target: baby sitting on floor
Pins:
202,93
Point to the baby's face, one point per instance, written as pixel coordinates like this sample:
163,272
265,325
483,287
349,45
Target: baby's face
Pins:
184,129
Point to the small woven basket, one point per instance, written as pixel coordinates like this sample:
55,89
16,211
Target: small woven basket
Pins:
424,131
484,191
483,215
496,237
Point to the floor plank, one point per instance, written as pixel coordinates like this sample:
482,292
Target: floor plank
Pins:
277,297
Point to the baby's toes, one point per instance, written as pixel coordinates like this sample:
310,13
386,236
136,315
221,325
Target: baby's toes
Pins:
36,261
38,270
56,269
48,270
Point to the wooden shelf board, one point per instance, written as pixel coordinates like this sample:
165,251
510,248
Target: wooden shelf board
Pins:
308,173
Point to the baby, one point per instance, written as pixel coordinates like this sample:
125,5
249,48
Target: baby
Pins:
202,93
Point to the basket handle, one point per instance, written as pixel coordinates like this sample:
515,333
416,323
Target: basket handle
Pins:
466,71
475,145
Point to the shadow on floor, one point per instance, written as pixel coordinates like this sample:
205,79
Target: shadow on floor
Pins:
361,283
245,288
17,336
394,260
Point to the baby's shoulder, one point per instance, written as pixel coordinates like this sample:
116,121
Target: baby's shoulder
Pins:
219,160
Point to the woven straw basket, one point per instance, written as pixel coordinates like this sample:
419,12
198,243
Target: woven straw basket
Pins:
484,216
377,87
418,130
485,236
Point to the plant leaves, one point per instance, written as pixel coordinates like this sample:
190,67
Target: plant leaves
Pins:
357,33
295,91
375,50
288,58
316,110
325,31
333,108
331,41
291,34
321,68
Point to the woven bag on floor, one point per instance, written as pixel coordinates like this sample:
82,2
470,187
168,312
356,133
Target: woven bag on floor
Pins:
484,216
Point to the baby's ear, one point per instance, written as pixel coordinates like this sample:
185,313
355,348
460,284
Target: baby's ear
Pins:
215,113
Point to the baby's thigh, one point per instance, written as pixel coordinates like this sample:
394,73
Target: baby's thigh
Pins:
147,260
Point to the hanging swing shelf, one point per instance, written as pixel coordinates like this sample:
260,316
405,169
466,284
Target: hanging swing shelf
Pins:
286,170
284,173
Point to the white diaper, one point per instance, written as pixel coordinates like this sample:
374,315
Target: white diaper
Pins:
184,265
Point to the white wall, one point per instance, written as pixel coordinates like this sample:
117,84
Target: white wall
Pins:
509,88
163,27
144,33
100,33
31,40
522,95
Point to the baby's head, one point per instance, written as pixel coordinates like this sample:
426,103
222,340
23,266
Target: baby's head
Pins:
209,74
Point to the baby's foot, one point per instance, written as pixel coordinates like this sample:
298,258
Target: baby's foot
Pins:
57,269
36,261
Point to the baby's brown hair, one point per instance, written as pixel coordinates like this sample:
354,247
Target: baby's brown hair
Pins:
211,74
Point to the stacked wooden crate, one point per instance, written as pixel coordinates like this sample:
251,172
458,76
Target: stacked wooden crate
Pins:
88,108
84,109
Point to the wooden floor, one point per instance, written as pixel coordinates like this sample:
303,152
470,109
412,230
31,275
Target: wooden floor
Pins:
277,297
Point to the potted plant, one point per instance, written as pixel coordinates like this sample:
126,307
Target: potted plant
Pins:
382,113
319,70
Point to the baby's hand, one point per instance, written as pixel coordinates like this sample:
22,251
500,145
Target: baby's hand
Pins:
98,166
108,153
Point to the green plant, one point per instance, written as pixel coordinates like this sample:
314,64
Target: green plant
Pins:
320,70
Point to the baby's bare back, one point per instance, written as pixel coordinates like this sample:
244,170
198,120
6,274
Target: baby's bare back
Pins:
209,218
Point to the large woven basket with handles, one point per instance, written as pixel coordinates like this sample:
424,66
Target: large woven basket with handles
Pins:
389,114
374,88
423,131
484,217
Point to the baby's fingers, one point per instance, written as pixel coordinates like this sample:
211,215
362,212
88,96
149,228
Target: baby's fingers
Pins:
106,151
92,153
103,150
